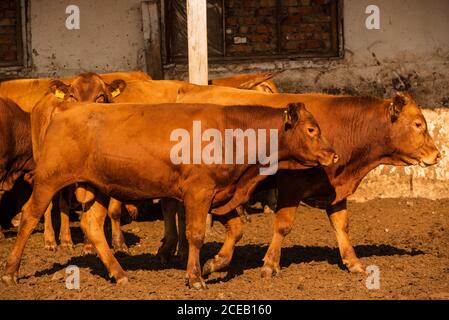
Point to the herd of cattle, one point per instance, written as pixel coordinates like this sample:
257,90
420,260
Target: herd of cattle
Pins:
102,142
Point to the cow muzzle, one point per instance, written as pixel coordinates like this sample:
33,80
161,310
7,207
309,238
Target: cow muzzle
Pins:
430,159
328,158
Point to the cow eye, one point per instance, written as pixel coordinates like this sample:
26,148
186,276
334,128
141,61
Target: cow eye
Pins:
418,124
311,130
72,97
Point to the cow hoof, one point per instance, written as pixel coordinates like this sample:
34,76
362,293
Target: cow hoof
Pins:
123,280
208,267
215,264
268,272
197,284
356,267
66,245
88,249
120,247
9,280
50,245
268,210
2,236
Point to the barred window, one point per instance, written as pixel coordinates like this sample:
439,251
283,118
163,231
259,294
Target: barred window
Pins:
259,28
11,51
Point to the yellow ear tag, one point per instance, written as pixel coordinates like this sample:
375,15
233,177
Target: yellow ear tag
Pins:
115,93
59,94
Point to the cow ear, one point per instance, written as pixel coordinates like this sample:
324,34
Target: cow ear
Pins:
59,89
397,104
116,87
291,115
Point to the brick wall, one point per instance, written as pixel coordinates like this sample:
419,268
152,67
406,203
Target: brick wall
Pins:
267,27
9,28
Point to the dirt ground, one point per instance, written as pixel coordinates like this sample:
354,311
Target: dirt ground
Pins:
408,239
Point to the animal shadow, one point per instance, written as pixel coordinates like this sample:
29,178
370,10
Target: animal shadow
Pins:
245,257
251,256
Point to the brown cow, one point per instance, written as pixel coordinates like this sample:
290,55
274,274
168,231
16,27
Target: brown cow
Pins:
16,157
125,151
88,87
258,81
364,131
27,92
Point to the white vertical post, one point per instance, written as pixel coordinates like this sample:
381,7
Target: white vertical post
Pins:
197,35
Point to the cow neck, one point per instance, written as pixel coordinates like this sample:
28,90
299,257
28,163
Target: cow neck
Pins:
258,117
359,134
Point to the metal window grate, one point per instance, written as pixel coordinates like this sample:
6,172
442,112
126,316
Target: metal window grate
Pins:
11,47
240,30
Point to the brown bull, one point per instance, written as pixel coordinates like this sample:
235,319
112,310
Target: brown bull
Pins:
16,157
126,151
365,132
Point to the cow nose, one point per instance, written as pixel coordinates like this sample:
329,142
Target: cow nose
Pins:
336,158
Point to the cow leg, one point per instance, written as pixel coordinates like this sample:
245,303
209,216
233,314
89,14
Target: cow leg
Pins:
133,210
338,216
209,225
92,222
183,244
197,204
115,212
234,233
282,226
170,240
49,232
88,247
65,236
32,211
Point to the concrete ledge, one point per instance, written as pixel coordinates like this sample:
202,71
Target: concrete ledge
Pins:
431,183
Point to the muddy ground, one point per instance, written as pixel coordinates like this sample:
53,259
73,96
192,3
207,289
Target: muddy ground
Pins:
408,239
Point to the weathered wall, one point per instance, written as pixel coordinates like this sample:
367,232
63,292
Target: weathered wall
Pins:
410,51
110,37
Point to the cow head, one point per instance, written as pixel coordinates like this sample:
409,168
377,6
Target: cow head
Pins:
304,137
409,136
87,87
